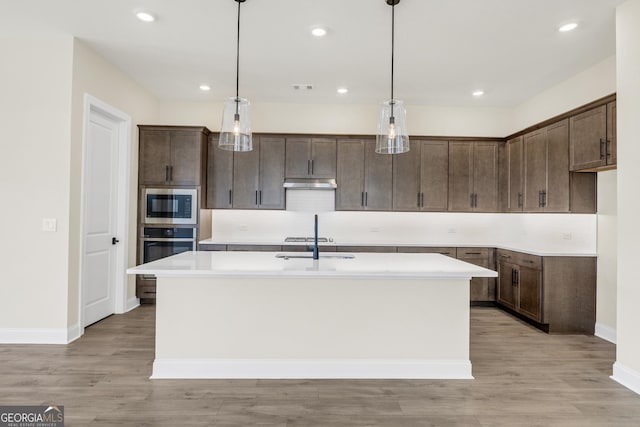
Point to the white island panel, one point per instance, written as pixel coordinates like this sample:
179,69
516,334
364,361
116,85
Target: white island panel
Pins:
312,328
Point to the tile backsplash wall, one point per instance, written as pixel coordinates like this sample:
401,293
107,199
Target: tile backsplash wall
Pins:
570,233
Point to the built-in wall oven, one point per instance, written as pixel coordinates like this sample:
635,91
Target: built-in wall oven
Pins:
161,242
170,206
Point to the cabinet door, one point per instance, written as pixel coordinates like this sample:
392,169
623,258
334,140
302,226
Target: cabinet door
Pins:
460,176
535,170
186,148
506,284
378,190
485,176
323,158
556,198
219,176
298,158
350,191
406,179
246,167
434,174
612,131
514,162
155,157
530,291
588,139
270,188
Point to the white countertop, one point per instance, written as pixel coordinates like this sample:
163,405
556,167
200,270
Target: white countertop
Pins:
265,264
516,248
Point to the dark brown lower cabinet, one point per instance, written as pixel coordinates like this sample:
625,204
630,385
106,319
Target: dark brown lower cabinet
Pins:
557,293
482,289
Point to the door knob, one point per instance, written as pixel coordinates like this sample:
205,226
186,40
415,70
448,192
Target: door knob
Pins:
114,241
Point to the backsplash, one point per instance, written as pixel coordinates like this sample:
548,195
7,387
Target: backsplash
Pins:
562,233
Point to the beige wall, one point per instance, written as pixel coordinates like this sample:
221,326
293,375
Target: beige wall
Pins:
95,76
589,85
35,106
343,119
607,255
628,81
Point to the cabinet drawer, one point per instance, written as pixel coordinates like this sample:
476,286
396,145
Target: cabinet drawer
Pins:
427,250
472,253
212,247
526,260
146,291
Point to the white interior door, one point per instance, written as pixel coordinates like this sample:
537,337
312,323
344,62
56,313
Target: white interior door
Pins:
100,217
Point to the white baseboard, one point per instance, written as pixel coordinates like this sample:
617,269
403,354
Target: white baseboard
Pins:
607,333
73,333
34,336
626,376
310,369
132,303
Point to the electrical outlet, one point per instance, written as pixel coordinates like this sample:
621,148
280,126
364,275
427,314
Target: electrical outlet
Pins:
49,224
566,236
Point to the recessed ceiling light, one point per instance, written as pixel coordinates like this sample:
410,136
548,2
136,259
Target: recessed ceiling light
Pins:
478,93
568,27
342,90
145,16
205,87
319,31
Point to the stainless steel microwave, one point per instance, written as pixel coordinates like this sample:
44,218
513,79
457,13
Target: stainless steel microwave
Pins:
170,206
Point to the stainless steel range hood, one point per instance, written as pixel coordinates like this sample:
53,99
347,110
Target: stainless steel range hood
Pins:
310,184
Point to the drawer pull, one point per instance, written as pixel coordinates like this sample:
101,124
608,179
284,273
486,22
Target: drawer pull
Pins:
473,253
505,256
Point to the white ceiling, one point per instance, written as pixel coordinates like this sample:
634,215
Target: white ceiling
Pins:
445,49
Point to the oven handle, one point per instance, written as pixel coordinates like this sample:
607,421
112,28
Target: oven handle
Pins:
166,239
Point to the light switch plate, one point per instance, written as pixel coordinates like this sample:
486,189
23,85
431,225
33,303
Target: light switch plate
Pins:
49,224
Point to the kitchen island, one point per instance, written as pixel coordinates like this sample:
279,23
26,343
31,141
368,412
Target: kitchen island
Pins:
265,315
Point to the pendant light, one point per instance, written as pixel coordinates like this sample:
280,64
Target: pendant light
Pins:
392,137
235,133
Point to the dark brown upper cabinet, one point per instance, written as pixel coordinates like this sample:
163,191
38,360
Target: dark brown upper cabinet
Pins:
172,155
219,176
258,175
310,158
514,163
364,177
593,139
421,177
473,176
546,169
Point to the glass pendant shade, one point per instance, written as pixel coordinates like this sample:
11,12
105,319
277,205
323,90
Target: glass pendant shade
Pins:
235,133
392,136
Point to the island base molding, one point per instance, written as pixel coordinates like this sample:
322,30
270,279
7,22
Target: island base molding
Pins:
310,369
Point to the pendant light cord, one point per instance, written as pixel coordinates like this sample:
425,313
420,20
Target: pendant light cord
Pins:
393,32
238,62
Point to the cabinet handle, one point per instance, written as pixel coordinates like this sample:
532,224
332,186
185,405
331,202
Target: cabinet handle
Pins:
422,199
418,199
256,197
539,199
230,196
544,198
608,150
517,277
602,143
166,173
519,199
505,256
366,198
308,167
362,198
473,253
260,196
513,277
311,166
171,173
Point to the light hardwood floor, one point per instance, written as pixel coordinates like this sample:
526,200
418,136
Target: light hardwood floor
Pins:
523,378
